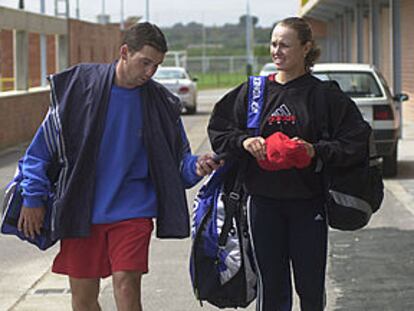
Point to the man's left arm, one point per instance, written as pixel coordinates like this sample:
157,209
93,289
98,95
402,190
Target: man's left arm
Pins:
194,167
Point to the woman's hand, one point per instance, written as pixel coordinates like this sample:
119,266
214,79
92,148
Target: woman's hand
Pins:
256,146
308,146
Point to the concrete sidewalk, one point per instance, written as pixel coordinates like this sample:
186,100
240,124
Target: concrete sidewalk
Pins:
167,286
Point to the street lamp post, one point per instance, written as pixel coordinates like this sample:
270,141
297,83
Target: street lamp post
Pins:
77,10
122,23
103,18
147,12
249,43
204,60
43,50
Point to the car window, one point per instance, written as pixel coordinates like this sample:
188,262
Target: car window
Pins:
169,74
384,83
268,69
354,84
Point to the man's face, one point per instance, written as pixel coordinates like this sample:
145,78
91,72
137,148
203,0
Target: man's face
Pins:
140,66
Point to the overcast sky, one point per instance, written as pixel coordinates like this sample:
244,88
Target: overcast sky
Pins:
169,12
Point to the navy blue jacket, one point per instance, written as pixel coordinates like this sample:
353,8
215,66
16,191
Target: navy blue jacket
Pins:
79,102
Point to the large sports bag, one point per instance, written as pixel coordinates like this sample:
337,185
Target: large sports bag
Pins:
12,204
353,193
221,263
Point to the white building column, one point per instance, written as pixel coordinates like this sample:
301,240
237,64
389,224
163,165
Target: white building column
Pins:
21,59
395,7
62,52
359,17
375,32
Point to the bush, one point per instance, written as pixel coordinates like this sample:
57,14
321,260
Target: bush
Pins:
213,80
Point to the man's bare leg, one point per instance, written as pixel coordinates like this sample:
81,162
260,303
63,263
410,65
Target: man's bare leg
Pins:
127,290
85,294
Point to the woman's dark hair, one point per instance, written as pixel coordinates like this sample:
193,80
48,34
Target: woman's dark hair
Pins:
304,32
142,34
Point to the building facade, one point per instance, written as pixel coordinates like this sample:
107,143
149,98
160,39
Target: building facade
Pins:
377,32
23,100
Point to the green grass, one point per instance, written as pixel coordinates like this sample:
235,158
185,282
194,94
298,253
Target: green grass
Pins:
218,80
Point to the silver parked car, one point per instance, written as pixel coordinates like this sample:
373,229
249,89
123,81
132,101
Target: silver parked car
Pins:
268,69
179,82
367,87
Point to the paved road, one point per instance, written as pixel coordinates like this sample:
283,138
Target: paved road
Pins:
371,269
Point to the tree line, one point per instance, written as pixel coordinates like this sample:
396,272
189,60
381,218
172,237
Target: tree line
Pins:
229,39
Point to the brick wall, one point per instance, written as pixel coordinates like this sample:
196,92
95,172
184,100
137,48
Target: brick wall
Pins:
6,57
319,32
88,42
91,42
22,113
51,54
6,53
20,116
318,28
34,60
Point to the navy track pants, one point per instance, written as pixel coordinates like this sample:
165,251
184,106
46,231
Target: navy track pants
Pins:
289,234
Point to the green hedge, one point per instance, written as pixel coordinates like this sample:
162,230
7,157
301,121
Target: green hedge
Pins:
218,80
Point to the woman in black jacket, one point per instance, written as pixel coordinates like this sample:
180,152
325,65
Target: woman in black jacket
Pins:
286,208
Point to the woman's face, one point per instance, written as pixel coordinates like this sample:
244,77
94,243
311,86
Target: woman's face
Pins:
288,53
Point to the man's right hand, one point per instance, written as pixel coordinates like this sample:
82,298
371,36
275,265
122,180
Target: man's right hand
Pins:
206,164
31,220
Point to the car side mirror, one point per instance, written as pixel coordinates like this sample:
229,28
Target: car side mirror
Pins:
401,97
195,79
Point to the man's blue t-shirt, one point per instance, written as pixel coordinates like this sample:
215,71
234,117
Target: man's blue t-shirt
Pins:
124,189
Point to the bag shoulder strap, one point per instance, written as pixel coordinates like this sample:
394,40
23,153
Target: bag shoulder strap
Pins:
255,102
254,110
320,111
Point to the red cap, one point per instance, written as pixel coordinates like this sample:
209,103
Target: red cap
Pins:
283,153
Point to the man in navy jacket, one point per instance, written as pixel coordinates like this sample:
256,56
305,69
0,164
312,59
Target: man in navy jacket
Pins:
115,140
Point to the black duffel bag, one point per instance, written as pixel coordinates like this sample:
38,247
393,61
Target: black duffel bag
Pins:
353,194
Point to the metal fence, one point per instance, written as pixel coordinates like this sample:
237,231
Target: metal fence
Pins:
195,65
216,64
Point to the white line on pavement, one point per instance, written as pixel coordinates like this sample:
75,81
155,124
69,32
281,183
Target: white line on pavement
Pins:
402,195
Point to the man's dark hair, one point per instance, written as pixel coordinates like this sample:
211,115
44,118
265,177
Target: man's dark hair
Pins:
142,34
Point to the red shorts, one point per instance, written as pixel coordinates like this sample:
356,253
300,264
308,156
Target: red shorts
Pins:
121,246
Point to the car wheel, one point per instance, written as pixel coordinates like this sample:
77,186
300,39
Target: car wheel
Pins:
193,109
389,164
